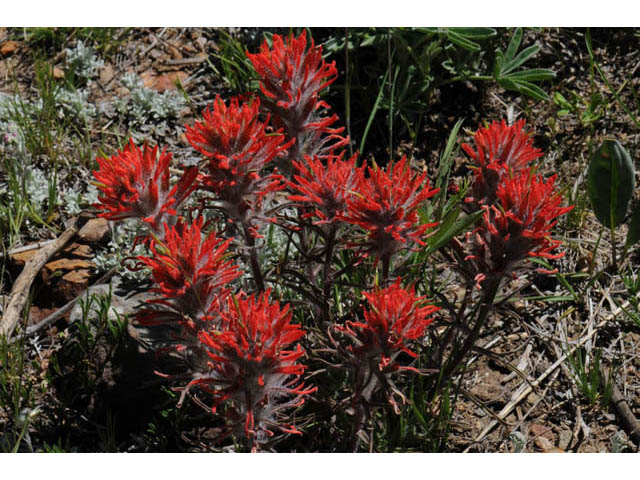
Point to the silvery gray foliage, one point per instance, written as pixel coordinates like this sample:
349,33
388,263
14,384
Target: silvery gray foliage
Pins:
83,60
146,111
119,247
75,103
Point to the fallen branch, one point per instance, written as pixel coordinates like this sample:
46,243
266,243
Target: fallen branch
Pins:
629,421
45,322
20,290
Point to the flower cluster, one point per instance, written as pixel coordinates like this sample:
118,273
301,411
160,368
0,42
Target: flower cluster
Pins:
396,317
520,207
518,226
291,79
325,186
386,207
134,183
253,366
192,275
237,147
501,150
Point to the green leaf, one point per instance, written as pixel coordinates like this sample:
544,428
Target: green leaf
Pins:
477,33
633,235
532,75
610,183
526,88
514,44
463,41
522,57
450,229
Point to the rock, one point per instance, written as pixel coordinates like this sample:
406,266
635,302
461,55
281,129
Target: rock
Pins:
537,430
543,444
564,439
106,74
78,250
72,284
163,82
66,264
21,258
94,231
8,47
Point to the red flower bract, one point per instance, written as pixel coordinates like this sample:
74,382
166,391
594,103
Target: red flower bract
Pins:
325,186
191,274
252,365
501,150
395,317
135,184
238,147
291,78
386,206
518,225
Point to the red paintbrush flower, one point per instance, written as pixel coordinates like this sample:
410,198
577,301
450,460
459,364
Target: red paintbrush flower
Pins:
191,274
291,79
238,147
253,367
395,318
135,184
501,150
518,225
325,187
386,207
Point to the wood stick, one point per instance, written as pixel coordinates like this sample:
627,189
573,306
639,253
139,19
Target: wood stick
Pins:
20,290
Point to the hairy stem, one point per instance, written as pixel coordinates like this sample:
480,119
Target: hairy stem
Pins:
253,257
490,290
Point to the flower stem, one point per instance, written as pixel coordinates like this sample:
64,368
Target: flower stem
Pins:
490,290
253,257
326,283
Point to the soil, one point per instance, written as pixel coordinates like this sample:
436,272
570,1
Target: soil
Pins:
524,337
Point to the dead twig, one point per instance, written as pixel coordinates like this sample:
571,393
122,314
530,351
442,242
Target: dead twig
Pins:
20,290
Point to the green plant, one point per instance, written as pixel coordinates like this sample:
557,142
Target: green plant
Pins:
588,374
398,70
610,184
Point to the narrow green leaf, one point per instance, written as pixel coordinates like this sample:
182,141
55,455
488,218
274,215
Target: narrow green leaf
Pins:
373,111
442,236
532,75
610,183
463,42
521,58
526,88
477,33
514,44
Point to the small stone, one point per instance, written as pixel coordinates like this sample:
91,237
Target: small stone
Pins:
8,47
537,430
67,264
166,81
94,231
79,250
72,284
57,73
564,439
543,444
21,258
106,74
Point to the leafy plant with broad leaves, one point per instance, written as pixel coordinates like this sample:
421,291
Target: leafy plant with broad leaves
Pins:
610,184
